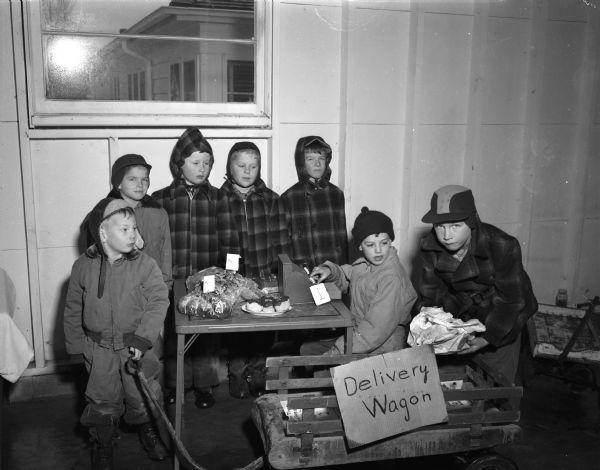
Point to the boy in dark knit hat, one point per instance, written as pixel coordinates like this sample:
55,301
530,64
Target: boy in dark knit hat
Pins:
130,179
203,232
380,290
315,208
262,232
115,307
474,270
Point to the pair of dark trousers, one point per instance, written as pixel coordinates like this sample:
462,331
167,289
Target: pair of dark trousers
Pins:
112,389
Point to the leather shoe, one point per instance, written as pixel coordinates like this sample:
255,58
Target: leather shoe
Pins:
204,398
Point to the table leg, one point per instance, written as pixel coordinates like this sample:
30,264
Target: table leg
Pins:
179,393
348,342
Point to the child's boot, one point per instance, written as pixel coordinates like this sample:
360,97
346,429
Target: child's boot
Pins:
151,442
102,447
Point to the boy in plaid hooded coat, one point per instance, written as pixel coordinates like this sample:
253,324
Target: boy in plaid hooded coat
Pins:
315,208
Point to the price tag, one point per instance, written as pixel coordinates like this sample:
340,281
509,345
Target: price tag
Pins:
233,262
320,294
208,283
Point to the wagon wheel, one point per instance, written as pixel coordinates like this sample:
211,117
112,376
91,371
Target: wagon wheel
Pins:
490,461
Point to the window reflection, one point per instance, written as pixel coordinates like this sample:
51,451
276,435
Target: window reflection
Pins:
194,50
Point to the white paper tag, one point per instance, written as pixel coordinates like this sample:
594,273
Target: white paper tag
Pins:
320,294
208,283
233,262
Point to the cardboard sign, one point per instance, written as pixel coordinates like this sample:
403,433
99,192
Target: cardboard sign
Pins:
389,394
320,294
232,263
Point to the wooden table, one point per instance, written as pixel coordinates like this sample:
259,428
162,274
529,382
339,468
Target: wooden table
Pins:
302,317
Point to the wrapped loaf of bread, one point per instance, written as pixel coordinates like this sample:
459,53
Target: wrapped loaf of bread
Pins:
230,288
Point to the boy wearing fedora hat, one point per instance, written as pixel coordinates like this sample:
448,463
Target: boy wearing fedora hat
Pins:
380,290
474,270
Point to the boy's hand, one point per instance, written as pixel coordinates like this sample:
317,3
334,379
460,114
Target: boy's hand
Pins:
320,273
475,344
136,354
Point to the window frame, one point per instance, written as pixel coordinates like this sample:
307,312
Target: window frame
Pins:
44,112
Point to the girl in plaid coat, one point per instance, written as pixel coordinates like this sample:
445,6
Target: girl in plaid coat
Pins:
202,233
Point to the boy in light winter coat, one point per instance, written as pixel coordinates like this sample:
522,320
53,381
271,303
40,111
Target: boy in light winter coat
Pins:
115,307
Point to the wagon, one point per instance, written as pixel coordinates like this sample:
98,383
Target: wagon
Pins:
302,429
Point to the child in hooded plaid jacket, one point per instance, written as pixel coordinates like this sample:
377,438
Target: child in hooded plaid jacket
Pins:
262,231
202,234
315,208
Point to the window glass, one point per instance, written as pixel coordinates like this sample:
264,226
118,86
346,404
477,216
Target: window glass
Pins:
157,50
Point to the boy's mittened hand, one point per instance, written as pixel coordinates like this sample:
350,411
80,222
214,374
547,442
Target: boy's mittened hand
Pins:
320,273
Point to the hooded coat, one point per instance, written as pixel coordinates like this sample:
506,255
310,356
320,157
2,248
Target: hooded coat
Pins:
489,284
200,218
316,214
117,305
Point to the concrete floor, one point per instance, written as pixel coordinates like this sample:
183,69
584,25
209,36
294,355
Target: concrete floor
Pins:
559,433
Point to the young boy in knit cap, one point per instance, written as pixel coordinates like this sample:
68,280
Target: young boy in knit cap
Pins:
262,232
380,290
474,270
202,234
130,179
115,307
315,208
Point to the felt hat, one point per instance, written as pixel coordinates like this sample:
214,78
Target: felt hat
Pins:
371,223
122,163
451,203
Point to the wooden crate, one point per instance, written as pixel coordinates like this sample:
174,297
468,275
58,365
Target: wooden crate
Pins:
551,328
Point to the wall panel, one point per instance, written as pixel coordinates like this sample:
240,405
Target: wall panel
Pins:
8,110
70,177
378,70
12,228
309,65
504,85
443,86
588,273
511,9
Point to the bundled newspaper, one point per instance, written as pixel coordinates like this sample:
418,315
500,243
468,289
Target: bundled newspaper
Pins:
447,334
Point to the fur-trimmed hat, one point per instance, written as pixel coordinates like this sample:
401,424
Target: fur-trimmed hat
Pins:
122,163
238,147
452,203
190,141
371,223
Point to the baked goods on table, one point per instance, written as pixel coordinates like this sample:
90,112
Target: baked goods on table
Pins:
270,303
230,288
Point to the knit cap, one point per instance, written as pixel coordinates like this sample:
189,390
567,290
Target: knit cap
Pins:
371,223
452,203
190,141
122,163
237,147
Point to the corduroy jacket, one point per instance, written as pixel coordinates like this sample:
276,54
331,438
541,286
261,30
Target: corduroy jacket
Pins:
489,284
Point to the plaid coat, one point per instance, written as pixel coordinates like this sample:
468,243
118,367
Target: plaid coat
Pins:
202,226
261,226
489,284
316,220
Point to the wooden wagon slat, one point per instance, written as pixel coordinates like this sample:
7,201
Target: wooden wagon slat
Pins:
317,428
295,384
313,360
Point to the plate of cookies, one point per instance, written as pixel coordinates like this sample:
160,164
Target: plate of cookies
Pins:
268,306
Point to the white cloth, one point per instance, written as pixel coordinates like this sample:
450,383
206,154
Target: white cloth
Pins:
15,352
447,334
